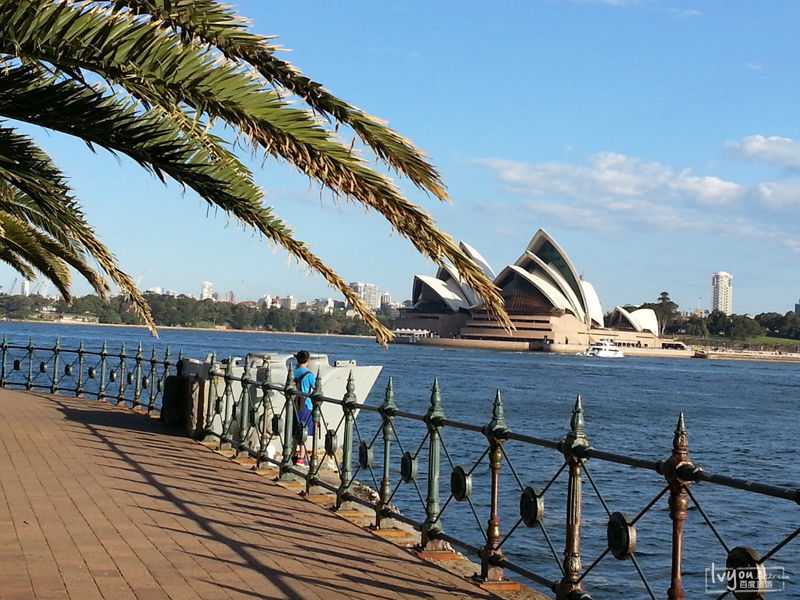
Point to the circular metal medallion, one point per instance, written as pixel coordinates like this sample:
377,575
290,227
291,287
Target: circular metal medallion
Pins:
460,484
43,367
145,382
130,378
746,577
531,506
92,372
67,369
331,444
621,534
276,424
365,455
408,468
112,376
17,364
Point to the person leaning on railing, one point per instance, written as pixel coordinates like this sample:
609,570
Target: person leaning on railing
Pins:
304,381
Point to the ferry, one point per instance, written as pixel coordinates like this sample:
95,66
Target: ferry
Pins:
604,349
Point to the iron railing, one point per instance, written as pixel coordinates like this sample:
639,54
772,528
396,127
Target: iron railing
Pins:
255,415
119,377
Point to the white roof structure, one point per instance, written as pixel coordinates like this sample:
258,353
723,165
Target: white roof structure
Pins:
547,267
434,292
642,319
447,290
542,279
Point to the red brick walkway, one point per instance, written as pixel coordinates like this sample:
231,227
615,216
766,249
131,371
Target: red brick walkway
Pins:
96,502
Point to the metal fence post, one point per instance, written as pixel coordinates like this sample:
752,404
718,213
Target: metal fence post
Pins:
79,387
151,405
56,353
266,403
678,504
121,390
212,401
288,427
228,406
346,473
573,446
243,416
29,383
316,418
101,391
137,385
492,554
433,419
3,369
388,410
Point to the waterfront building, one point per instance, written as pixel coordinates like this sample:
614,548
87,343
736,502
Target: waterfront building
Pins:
207,290
289,302
230,297
722,292
26,288
324,305
155,290
386,300
548,302
265,301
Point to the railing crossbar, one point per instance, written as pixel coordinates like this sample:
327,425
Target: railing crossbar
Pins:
708,520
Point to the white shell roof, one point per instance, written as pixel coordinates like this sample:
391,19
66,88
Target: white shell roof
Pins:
558,280
543,284
449,292
593,306
476,256
642,319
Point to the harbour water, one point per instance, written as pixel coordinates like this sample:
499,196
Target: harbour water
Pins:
741,418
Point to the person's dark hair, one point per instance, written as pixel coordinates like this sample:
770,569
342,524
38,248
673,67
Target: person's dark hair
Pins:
302,357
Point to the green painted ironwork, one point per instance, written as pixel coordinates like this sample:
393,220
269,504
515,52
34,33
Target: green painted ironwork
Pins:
137,389
56,356
433,420
316,417
349,403
388,410
288,429
29,383
81,353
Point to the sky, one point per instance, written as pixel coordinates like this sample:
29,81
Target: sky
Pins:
657,141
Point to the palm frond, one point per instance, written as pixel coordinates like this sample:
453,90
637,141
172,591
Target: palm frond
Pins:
219,26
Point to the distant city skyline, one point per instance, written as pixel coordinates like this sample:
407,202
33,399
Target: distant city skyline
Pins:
671,151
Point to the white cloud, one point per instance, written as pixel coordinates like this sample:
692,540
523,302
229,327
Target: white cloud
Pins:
779,194
752,66
613,179
613,192
773,150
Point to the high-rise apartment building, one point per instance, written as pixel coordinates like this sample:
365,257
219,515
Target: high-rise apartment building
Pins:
207,291
368,292
722,292
230,297
797,309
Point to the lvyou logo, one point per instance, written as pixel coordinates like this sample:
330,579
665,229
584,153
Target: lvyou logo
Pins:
744,581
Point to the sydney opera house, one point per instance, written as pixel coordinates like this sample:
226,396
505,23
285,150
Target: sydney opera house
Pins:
551,306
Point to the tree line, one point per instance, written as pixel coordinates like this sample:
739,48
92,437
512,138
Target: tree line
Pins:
718,324
183,311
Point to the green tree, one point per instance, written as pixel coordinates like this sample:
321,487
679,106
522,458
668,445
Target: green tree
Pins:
666,311
147,78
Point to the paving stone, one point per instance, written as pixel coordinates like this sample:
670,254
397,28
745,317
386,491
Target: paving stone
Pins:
99,502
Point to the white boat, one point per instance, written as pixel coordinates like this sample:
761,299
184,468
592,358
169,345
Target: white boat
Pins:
604,349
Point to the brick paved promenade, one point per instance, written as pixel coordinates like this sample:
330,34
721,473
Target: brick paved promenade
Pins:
96,502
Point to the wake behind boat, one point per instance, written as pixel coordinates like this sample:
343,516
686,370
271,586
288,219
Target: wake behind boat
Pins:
604,349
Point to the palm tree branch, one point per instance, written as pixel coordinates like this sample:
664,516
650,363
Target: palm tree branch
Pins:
220,27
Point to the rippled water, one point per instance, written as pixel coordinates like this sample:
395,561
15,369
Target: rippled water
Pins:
741,417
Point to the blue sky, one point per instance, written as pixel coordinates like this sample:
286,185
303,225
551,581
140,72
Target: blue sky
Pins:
657,141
